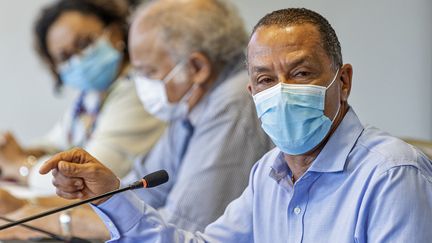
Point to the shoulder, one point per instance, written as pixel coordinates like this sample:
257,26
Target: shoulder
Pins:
123,99
384,153
397,175
123,89
123,108
230,102
231,93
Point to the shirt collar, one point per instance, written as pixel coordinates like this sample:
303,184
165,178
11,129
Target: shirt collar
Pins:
332,157
196,113
279,169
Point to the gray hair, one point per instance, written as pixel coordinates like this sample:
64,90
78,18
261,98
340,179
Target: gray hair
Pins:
212,27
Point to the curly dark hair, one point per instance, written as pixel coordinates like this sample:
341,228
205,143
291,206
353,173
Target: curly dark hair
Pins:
297,16
105,11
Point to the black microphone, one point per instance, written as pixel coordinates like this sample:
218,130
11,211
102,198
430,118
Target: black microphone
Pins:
151,180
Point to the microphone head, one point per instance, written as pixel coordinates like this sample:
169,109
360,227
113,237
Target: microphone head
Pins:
156,178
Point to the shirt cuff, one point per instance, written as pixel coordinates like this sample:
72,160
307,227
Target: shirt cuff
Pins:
120,213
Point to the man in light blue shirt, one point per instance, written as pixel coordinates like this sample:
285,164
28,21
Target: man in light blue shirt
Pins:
330,179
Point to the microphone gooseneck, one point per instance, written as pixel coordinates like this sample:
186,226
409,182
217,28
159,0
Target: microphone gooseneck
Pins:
151,180
50,234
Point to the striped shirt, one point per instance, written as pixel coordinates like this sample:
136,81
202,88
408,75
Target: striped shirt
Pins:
209,158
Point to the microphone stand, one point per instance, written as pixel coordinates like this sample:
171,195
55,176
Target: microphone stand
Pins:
150,180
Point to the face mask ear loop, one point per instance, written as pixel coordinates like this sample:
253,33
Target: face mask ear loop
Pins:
171,75
173,72
337,112
339,106
334,79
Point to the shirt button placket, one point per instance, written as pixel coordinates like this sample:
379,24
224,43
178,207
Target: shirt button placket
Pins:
298,202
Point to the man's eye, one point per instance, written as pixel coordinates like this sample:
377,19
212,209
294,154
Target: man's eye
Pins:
264,80
302,74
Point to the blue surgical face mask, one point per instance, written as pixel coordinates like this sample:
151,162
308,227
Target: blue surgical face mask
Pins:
292,115
94,69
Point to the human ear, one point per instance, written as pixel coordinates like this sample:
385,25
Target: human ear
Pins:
250,88
346,81
199,68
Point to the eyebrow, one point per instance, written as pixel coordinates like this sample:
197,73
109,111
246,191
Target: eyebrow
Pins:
290,65
260,69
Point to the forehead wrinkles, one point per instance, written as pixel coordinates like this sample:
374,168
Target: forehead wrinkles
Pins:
287,38
263,50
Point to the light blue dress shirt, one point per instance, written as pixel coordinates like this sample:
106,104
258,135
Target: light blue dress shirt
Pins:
208,155
364,186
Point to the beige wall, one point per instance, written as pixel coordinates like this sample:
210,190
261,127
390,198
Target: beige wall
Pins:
27,103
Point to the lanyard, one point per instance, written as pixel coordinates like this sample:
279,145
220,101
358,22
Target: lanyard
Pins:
86,117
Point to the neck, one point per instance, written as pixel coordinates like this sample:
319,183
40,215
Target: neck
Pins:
299,164
198,93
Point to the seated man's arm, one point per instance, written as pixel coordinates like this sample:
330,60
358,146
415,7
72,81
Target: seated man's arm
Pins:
398,208
129,219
